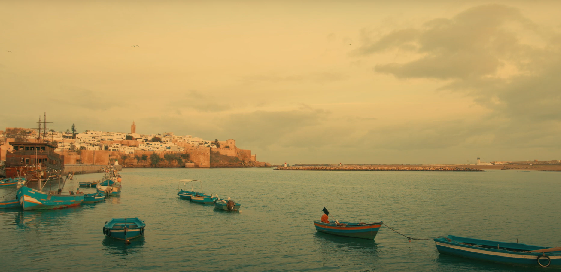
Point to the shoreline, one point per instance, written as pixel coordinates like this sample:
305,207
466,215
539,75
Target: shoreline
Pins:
422,167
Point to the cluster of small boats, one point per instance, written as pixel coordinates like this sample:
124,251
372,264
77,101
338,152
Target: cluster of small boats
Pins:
35,198
202,198
502,252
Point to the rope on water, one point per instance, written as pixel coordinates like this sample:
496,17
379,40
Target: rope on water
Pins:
408,237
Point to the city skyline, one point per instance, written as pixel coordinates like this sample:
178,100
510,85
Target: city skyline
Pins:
297,82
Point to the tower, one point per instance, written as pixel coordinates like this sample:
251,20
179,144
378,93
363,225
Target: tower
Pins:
133,127
478,161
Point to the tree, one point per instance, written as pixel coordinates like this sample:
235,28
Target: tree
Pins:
129,137
155,159
169,157
144,157
156,139
73,128
137,158
124,157
216,143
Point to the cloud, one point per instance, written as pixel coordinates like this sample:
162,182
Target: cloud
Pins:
199,101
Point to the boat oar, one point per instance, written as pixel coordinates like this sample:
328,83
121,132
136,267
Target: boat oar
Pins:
547,249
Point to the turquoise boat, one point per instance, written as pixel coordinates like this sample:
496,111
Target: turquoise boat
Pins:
203,199
124,228
94,198
356,230
88,184
10,204
502,252
110,187
32,199
227,205
9,182
184,193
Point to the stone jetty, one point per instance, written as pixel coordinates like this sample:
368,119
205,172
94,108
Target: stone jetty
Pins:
379,168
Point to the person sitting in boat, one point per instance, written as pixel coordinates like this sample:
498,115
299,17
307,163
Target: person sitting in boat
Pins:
325,216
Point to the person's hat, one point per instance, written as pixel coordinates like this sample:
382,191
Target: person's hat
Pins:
325,211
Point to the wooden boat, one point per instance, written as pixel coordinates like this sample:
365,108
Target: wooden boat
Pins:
183,193
227,205
32,199
511,253
10,204
88,184
94,198
203,199
110,187
9,182
124,228
357,230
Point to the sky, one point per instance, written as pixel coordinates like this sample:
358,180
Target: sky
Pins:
369,82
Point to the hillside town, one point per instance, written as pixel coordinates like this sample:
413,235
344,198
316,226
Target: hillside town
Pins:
133,149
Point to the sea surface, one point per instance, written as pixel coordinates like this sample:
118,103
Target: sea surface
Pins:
274,230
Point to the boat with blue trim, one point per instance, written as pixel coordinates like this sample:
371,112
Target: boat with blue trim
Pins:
203,199
502,252
33,199
183,193
356,230
124,228
9,182
94,198
227,205
10,204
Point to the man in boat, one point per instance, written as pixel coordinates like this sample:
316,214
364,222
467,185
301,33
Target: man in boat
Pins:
325,216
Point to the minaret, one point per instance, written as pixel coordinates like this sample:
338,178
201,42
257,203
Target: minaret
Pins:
133,127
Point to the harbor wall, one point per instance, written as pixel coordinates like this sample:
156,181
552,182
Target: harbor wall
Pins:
86,168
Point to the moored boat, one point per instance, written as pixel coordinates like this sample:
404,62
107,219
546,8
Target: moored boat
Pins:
227,205
124,228
503,252
357,230
183,193
8,182
32,199
10,204
110,187
88,184
94,197
203,199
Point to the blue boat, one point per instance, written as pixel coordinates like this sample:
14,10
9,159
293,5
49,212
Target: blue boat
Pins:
356,230
124,228
88,184
9,182
510,253
32,199
203,199
10,204
227,205
184,193
110,187
94,198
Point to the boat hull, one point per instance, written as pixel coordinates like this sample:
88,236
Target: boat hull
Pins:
223,205
124,228
356,230
31,199
94,198
185,194
509,253
203,199
10,204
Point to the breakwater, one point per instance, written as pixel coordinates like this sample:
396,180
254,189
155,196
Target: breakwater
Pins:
86,168
380,168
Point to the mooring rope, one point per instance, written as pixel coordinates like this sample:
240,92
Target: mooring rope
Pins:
408,237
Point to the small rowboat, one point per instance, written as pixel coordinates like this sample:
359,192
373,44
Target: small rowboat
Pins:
183,193
8,182
203,199
511,253
357,230
89,184
10,204
94,198
227,205
124,228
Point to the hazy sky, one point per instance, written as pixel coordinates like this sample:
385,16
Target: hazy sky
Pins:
295,81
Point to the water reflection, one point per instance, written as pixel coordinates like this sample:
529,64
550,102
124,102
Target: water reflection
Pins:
334,242
120,247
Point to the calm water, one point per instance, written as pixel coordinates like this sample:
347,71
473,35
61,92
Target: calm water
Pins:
274,230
